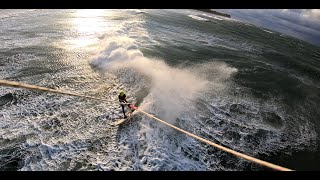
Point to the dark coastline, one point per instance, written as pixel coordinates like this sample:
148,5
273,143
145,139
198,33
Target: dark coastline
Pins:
214,12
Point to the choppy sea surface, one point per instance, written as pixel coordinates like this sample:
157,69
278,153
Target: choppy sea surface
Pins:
244,87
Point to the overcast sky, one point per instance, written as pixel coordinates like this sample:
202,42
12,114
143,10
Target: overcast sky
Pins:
303,24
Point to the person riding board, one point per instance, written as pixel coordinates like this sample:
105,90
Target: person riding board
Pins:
122,98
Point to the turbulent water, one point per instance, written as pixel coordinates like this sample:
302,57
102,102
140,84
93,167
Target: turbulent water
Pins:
241,86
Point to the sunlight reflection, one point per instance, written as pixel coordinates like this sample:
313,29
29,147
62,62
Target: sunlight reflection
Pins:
89,21
88,25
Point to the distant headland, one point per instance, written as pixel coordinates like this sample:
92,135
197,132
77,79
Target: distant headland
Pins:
214,12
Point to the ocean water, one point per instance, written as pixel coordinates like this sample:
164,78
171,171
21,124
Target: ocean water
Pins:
244,87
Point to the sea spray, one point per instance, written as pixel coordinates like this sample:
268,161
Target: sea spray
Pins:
172,88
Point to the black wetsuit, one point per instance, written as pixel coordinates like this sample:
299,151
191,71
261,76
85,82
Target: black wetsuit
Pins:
122,99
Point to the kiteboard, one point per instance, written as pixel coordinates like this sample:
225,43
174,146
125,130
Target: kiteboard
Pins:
129,114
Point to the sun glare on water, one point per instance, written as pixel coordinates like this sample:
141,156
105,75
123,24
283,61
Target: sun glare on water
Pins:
88,25
89,21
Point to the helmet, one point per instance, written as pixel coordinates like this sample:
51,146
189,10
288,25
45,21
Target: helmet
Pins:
121,93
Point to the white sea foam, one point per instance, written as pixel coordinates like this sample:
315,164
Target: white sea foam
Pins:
198,18
268,31
52,132
172,88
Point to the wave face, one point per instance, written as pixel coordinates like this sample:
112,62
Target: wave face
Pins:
238,85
